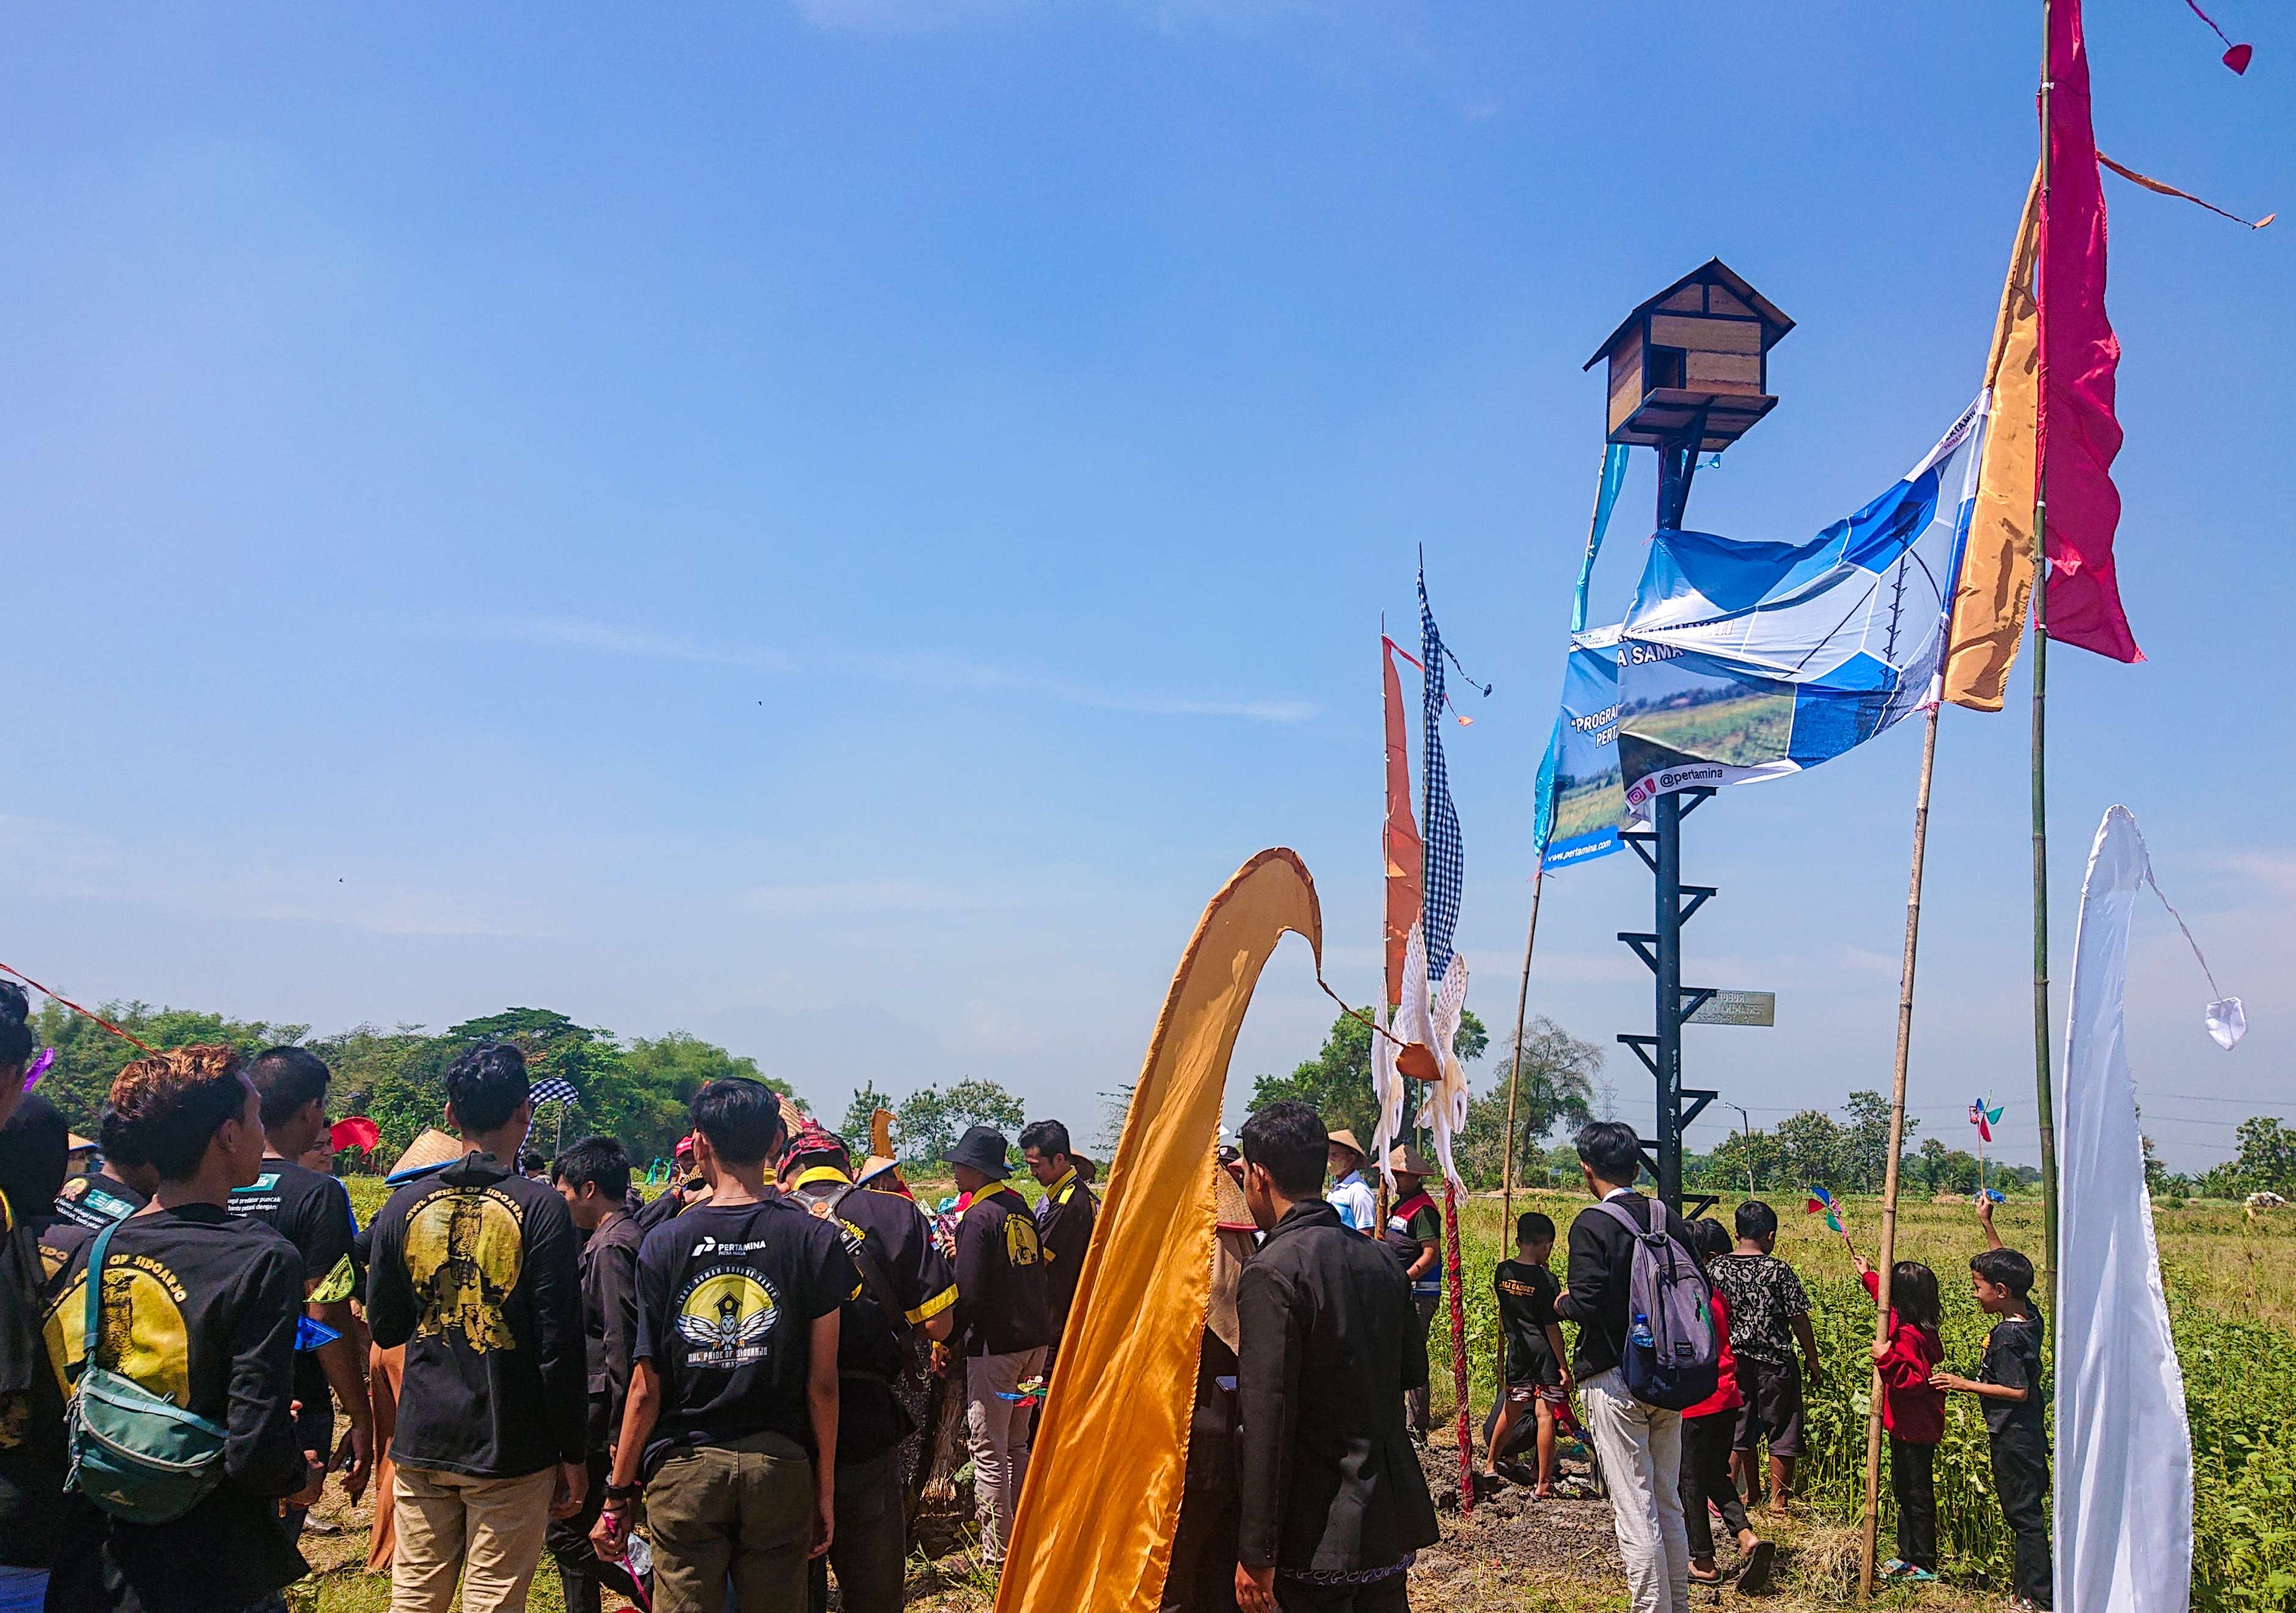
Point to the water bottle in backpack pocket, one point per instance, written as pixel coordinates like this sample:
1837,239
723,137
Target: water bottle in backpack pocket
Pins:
1672,1355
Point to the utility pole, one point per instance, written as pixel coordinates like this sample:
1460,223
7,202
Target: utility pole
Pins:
1746,1130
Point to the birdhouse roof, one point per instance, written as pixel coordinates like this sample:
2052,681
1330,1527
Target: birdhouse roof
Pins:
1712,272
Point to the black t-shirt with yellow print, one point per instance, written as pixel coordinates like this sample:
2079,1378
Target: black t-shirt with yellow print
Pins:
476,1270
727,1297
200,1307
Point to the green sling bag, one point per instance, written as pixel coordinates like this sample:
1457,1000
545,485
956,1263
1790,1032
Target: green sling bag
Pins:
139,1456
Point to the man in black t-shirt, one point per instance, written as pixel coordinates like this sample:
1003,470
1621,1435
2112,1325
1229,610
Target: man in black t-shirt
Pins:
475,1272
200,1307
313,1212
733,1409
115,1190
908,1290
1640,1445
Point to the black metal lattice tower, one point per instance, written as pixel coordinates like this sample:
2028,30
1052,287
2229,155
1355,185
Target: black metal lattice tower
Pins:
1688,372
1659,846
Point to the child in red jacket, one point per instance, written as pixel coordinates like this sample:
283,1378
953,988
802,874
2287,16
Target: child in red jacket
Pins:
1912,1411
1708,1429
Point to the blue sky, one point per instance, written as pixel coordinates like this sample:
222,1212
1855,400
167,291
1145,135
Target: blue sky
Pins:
836,526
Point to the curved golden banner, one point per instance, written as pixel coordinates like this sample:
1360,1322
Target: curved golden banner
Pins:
1095,1529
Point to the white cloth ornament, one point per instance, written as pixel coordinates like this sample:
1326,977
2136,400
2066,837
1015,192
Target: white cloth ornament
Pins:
2228,1022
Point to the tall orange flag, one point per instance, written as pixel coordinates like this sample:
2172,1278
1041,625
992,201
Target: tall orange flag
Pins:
1404,857
1996,566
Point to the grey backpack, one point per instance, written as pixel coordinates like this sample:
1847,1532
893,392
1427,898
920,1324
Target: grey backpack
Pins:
1671,1356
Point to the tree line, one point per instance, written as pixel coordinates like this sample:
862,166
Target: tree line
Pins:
636,1091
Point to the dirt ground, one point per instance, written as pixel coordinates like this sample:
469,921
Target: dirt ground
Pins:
1512,1555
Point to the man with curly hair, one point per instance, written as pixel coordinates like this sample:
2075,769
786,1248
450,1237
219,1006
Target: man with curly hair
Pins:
200,1307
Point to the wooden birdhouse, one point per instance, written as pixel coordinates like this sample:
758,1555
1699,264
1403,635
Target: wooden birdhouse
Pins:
1702,343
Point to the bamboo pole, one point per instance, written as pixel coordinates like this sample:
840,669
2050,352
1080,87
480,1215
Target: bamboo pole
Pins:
1380,1018
2044,1098
1515,1080
1887,1254
1515,1073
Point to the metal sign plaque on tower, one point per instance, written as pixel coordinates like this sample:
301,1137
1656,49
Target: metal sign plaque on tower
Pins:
1689,371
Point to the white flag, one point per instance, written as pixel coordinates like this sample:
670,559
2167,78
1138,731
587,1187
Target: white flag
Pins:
2124,1489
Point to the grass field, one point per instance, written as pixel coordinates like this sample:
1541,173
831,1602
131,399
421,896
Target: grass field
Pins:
2232,1287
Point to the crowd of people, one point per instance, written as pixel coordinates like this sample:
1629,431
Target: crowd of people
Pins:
525,1357
197,1337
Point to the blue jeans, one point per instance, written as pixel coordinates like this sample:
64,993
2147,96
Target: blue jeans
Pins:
23,1589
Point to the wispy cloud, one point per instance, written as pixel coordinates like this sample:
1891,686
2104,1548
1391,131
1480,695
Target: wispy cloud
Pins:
925,16
860,896
2275,871
913,669
60,860
901,16
576,633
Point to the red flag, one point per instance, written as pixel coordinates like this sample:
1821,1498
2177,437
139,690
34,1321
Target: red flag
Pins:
354,1131
2079,434
1401,835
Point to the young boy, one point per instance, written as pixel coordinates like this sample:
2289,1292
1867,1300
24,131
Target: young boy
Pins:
1769,1314
1536,1376
2009,1381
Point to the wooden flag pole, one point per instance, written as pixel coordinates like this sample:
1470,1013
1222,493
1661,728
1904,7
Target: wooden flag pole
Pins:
1515,1080
1886,1256
2044,1098
1514,1072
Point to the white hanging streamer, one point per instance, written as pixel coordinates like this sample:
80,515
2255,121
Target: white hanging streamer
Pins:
2227,1021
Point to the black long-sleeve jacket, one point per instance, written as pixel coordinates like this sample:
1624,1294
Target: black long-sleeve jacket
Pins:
1329,1343
476,1270
610,1320
1601,1258
1004,1298
1064,1218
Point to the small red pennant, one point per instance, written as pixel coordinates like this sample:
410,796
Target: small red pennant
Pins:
2236,56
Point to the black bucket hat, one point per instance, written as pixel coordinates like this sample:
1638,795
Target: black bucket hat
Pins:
983,1148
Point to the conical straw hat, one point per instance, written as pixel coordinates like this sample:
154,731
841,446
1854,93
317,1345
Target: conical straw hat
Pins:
433,1147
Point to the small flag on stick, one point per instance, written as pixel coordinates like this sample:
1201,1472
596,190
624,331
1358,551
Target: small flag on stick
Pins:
552,1089
354,1131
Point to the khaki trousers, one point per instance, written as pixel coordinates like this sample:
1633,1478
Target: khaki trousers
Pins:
1641,1448
488,1532
743,1509
998,1432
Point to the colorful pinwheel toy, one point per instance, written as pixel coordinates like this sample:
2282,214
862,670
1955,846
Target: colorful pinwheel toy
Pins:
1821,1203
1984,1119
